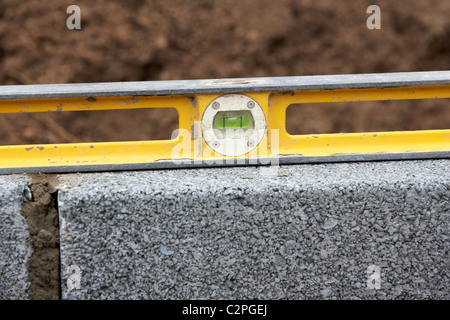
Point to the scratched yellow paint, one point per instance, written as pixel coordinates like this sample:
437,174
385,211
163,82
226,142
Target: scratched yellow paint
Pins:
353,143
191,146
68,154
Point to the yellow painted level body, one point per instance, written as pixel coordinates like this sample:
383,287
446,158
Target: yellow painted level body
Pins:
188,144
360,143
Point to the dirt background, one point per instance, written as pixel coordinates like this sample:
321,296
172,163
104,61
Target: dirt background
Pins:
178,39
41,215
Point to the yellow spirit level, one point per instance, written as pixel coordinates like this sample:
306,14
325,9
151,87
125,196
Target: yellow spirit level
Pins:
225,122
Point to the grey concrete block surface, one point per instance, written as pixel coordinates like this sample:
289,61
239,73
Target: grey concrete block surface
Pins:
329,231
15,249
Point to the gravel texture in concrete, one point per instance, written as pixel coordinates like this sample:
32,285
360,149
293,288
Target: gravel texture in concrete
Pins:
15,249
328,231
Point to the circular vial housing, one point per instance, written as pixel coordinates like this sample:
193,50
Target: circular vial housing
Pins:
234,128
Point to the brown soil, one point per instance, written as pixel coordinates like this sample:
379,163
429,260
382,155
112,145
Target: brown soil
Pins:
178,39
42,217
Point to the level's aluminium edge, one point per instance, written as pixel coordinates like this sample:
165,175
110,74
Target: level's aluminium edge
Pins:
233,85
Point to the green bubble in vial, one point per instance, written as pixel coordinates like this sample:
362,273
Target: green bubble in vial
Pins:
233,121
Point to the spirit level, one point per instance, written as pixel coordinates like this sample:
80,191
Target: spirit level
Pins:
225,122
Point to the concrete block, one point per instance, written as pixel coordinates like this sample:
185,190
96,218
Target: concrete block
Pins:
15,249
375,230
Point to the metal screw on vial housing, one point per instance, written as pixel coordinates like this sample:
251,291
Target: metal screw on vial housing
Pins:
216,144
250,143
250,104
216,105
